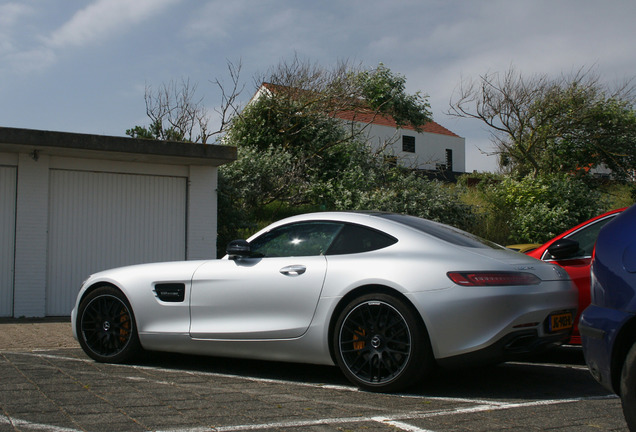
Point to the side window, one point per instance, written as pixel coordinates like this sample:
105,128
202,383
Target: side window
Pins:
408,144
587,236
298,239
356,239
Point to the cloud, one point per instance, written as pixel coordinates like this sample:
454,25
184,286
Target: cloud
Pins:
102,19
94,24
10,13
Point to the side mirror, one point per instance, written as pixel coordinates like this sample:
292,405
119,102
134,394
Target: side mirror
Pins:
238,248
564,248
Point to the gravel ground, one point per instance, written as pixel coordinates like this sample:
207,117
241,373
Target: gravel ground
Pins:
30,334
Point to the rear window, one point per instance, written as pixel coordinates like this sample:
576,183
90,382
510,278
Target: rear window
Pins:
443,232
357,239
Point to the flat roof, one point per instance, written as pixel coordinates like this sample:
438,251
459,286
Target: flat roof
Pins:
113,148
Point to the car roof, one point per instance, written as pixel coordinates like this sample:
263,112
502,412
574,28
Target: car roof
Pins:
399,225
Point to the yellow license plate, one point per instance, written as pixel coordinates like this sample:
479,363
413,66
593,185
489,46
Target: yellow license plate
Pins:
561,321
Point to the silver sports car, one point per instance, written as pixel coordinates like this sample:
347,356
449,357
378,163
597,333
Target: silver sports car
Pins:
386,297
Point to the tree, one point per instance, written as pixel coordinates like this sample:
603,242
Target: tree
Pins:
545,125
175,114
384,92
295,155
295,121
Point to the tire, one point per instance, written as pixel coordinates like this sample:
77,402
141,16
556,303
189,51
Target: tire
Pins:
380,344
628,388
106,326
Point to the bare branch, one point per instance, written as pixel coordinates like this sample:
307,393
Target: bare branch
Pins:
229,107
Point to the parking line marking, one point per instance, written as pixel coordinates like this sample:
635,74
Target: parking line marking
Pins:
17,423
203,373
397,420
400,425
350,388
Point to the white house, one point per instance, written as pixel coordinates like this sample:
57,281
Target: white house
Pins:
434,148
73,204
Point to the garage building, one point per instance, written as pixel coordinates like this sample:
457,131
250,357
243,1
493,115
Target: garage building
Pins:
73,204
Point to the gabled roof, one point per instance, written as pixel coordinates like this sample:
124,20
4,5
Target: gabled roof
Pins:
387,120
371,117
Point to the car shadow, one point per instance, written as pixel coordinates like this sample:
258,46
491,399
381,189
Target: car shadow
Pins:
256,369
512,381
559,374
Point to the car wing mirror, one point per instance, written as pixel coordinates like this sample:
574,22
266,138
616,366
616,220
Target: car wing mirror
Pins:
238,248
564,248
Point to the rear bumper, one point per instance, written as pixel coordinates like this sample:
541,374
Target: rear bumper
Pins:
513,346
481,322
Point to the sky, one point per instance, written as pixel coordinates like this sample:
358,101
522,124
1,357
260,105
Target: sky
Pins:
83,65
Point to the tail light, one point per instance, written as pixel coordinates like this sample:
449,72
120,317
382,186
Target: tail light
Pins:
488,278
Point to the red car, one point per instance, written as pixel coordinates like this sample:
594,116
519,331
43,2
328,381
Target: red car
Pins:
573,250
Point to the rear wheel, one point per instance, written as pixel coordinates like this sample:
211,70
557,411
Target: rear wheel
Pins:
380,344
628,388
106,326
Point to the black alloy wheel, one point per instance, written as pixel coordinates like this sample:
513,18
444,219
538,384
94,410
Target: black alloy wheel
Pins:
106,326
380,345
628,388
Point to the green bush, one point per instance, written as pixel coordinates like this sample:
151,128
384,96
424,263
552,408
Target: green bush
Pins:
408,193
533,210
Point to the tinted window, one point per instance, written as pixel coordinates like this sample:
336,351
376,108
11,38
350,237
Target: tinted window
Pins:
442,232
356,239
299,239
587,236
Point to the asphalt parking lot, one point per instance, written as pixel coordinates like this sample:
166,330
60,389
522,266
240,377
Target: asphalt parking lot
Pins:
47,383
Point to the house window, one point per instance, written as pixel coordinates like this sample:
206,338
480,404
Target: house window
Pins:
408,144
449,159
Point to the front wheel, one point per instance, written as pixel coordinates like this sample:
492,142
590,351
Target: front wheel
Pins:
628,388
106,326
380,344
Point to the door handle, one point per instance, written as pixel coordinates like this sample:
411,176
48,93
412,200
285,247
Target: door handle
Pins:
293,270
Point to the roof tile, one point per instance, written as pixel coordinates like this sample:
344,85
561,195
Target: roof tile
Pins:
370,117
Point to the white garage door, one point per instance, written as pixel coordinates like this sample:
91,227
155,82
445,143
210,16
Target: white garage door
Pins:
104,220
7,238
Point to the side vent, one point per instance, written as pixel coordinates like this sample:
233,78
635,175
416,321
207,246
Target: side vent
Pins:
170,292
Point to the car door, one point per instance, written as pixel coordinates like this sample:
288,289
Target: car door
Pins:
270,295
578,265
